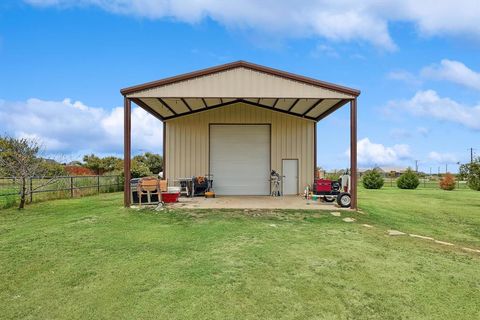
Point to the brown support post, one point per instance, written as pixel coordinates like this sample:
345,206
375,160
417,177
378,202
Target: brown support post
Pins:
314,150
127,128
164,147
353,152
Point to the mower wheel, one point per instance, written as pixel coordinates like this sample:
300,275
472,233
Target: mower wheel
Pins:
344,200
328,199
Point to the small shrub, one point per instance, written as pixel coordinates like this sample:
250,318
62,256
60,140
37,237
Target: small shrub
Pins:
447,182
372,179
408,180
8,201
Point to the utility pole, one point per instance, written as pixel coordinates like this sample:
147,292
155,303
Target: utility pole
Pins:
416,166
471,155
446,167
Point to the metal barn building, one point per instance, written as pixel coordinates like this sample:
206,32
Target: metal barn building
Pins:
238,122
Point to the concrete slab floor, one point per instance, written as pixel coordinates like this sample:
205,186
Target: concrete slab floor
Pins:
254,202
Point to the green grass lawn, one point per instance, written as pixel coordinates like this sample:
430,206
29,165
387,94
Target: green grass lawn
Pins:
447,215
89,258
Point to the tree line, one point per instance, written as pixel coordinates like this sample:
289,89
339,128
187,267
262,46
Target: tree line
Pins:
141,165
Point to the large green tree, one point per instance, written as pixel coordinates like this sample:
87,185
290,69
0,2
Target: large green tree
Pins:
141,165
139,169
109,164
153,161
93,162
101,165
471,172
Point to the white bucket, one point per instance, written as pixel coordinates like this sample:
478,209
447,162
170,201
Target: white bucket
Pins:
173,189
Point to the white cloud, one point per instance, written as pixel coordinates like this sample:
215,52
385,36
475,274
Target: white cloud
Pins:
423,131
404,76
453,71
442,157
404,134
370,153
429,104
400,134
72,128
346,20
447,70
322,49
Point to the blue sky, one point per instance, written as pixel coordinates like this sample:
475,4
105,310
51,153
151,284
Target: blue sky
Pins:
62,64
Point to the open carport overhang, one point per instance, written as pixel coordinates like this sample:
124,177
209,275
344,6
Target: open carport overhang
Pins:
240,82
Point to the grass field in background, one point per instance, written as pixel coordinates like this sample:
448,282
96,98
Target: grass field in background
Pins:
90,258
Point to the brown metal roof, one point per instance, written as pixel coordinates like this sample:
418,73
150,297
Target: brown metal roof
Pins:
299,101
237,64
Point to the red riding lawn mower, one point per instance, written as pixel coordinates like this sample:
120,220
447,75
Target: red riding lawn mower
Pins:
331,190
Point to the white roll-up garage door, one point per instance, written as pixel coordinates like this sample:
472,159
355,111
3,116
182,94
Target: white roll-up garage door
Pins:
240,159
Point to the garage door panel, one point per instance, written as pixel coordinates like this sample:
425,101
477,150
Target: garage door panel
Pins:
240,159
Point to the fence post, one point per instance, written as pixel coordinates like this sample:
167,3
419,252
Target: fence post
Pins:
31,190
98,184
71,187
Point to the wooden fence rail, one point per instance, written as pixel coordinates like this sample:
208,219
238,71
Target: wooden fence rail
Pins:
58,187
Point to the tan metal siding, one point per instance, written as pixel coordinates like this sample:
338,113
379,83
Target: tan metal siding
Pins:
240,83
187,140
